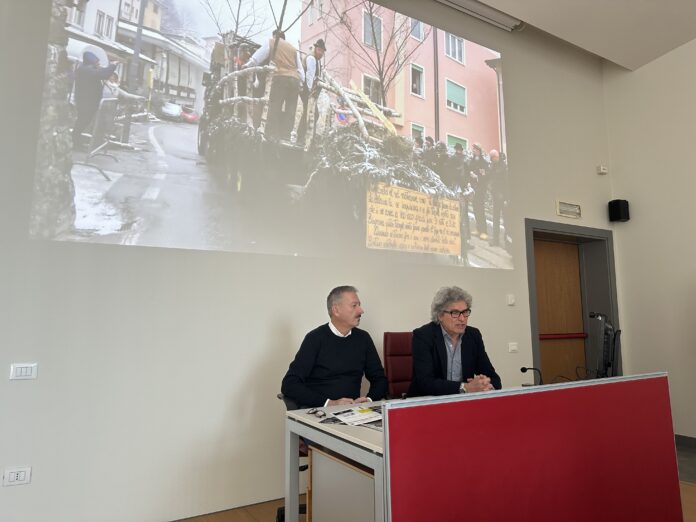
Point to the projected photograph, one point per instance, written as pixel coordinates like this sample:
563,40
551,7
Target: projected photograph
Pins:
322,128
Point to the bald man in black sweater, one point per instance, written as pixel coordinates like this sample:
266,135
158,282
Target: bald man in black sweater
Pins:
333,358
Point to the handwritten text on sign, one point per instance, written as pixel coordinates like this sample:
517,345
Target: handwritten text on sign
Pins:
408,220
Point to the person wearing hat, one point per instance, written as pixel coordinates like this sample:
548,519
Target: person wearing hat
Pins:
89,86
285,83
460,168
429,155
499,194
478,170
312,64
310,89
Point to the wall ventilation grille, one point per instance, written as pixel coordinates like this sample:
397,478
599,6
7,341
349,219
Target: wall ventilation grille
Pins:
569,210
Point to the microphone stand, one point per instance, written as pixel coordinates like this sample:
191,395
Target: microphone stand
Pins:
525,369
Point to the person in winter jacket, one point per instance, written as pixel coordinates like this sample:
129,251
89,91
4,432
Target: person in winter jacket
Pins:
89,88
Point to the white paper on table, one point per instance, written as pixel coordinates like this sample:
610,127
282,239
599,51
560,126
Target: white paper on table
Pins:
358,415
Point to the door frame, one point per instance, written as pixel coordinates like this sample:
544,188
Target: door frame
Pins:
564,232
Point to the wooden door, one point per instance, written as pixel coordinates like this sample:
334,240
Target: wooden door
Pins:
559,305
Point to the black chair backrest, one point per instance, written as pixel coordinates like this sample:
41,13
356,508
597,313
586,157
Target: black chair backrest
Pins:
289,403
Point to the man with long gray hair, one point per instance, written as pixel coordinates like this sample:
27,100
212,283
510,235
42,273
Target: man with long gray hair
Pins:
329,367
448,355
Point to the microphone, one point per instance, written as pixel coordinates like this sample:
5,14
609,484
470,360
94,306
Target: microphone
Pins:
525,369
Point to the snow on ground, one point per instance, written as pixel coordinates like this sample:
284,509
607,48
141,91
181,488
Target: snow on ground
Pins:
93,213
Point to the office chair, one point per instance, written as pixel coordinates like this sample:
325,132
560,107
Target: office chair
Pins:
398,364
292,405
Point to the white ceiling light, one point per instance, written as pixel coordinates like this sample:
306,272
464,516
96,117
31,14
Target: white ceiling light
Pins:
485,13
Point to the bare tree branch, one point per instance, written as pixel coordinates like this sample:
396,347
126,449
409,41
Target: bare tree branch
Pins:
214,16
279,26
358,50
239,17
388,56
275,19
309,4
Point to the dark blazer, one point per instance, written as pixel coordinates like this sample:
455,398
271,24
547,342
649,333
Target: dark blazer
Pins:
430,361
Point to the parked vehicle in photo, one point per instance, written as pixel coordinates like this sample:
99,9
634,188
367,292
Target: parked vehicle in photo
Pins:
189,115
171,111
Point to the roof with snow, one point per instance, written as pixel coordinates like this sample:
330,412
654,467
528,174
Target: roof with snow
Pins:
193,54
111,45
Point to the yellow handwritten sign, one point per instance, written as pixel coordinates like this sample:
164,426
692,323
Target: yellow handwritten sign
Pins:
408,220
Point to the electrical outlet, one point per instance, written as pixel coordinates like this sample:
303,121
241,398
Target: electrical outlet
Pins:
24,371
16,476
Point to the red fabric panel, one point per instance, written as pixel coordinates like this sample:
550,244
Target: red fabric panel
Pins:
602,453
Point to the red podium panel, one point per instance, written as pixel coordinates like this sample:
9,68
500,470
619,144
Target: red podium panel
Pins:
601,451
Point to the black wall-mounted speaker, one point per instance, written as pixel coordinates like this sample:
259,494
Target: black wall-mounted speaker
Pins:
618,210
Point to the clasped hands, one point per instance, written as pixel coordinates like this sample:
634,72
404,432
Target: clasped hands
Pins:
478,383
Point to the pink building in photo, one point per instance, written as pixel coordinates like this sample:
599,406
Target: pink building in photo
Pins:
440,84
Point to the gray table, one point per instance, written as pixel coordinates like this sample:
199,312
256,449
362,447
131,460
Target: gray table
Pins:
362,445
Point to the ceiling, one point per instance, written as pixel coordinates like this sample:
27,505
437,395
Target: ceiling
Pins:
630,33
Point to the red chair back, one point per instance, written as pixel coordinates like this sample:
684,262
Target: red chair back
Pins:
398,362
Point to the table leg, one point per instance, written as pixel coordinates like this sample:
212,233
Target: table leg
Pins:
292,474
379,492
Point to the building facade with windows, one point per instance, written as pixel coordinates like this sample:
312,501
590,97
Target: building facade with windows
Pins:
95,23
440,84
177,68
130,12
95,17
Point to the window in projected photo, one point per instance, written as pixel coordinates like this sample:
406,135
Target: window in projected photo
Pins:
417,80
372,88
372,28
417,30
453,141
454,47
356,131
456,96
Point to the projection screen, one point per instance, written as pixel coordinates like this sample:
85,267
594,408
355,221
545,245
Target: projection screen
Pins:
322,129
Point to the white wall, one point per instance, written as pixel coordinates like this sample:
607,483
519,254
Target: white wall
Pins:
159,368
652,127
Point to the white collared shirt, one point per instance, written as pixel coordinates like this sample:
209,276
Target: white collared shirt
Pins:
311,72
337,332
